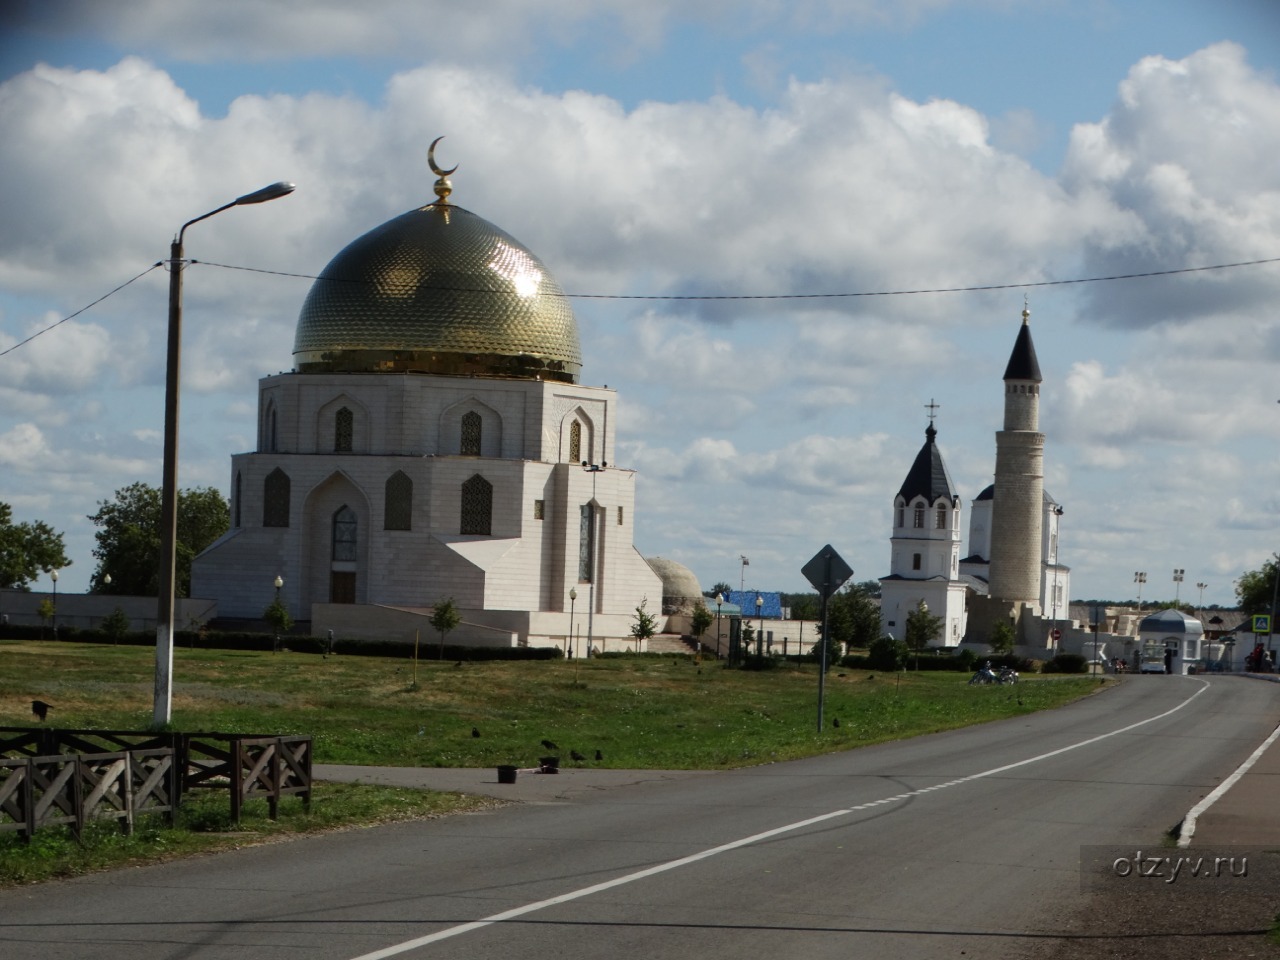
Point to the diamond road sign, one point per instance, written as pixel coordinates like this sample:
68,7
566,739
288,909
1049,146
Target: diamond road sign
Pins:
1261,623
827,571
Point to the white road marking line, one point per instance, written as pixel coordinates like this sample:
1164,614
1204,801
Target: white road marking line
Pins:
1189,821
528,908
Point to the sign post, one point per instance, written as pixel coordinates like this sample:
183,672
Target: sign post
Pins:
827,571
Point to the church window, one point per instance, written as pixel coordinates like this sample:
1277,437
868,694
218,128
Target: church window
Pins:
236,495
619,516
941,521
344,534
918,519
398,512
471,429
477,506
275,499
271,431
575,442
902,517
586,542
539,509
915,561
343,430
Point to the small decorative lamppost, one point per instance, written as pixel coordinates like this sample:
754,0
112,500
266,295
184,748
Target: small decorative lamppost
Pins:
54,577
760,632
573,630
719,601
279,583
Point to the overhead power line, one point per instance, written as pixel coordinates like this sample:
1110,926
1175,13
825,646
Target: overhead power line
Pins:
976,288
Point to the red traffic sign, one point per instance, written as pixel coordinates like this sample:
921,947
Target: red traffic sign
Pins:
827,571
1055,633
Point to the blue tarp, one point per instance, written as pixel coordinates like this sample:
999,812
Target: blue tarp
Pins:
771,609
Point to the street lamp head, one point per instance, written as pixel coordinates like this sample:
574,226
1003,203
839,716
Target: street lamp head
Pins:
719,599
279,581
53,575
759,601
106,579
273,192
573,593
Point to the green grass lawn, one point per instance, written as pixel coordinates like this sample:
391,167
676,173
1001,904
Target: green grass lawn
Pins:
639,712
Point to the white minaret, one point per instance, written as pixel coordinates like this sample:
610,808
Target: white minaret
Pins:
1018,504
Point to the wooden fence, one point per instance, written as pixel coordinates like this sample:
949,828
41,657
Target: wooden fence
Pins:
75,788
63,783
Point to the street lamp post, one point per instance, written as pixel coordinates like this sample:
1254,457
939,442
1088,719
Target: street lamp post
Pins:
275,646
1140,577
742,579
1096,626
163,709
54,577
593,469
1204,652
719,601
573,630
760,632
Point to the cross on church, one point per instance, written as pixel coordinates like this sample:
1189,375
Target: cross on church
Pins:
932,408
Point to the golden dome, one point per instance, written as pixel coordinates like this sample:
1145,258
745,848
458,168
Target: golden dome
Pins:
438,290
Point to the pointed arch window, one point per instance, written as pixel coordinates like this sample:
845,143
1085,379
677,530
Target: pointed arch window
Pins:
586,542
901,520
271,430
398,513
472,427
477,506
235,493
940,522
917,521
344,534
275,499
344,423
575,442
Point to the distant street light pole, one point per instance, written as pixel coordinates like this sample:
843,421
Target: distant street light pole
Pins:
1140,577
1204,653
275,647
719,601
742,580
54,577
760,632
573,600
1177,586
163,708
593,469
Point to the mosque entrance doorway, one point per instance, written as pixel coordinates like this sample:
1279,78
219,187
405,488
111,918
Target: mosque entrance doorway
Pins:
342,586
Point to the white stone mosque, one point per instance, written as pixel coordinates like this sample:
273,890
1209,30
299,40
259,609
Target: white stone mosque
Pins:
434,440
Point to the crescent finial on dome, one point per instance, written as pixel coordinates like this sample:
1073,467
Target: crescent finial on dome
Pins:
442,186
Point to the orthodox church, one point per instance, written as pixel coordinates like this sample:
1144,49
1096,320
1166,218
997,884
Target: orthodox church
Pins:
1011,573
433,440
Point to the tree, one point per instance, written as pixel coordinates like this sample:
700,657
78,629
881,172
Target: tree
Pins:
278,615
444,618
1002,637
804,606
45,611
700,623
721,588
886,653
129,538
116,624
853,617
27,550
1257,588
645,625
922,627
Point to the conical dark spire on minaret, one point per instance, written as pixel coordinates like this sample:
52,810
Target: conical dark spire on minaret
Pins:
1022,362
928,476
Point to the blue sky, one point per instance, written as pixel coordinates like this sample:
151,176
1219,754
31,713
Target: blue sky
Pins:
755,147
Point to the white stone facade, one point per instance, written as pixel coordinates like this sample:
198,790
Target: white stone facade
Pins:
393,490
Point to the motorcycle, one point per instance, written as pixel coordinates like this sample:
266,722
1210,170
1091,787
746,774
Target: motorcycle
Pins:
984,675
1008,675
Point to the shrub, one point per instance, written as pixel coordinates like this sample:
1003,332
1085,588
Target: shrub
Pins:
887,654
1066,663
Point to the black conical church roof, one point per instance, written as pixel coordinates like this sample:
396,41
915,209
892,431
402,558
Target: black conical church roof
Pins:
928,476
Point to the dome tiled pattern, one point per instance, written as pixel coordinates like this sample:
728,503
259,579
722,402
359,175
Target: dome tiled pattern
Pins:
438,290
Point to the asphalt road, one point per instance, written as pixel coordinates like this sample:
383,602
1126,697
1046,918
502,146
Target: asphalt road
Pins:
966,843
